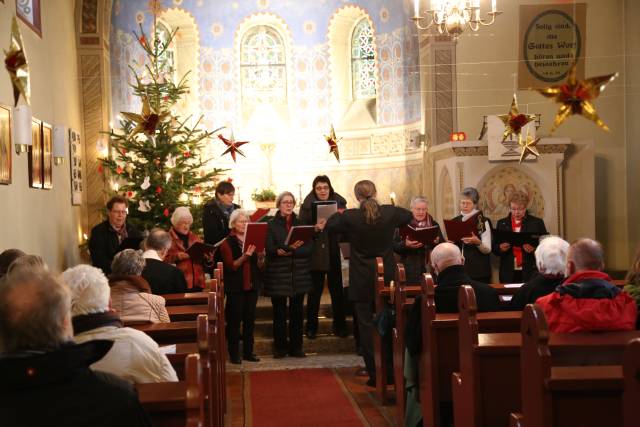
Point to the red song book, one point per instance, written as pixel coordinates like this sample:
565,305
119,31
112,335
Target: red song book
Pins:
256,234
300,232
198,251
456,230
425,235
259,214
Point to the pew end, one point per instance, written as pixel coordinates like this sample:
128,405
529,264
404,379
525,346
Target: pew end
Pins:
516,419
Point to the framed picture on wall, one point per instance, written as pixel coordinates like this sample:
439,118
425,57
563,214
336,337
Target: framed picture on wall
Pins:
29,12
75,163
5,145
35,155
47,157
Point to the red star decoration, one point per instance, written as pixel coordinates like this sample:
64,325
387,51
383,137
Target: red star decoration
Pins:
233,146
514,120
332,140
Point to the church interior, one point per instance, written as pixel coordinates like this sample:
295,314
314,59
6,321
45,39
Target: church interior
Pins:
166,106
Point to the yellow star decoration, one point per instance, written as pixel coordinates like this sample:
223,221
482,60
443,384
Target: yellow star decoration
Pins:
333,140
16,63
514,121
576,97
147,121
528,146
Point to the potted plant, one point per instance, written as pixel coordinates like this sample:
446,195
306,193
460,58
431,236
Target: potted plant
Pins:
264,199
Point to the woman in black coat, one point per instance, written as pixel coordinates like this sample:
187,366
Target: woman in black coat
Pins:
370,230
216,213
287,277
325,261
518,264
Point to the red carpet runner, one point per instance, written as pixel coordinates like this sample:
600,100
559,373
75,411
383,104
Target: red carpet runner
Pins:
300,398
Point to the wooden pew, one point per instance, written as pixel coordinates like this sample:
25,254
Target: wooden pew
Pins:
631,371
188,298
378,353
559,391
439,357
178,313
218,276
172,404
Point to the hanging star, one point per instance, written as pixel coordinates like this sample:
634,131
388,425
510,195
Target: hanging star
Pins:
233,146
333,140
514,120
576,97
16,63
147,121
528,147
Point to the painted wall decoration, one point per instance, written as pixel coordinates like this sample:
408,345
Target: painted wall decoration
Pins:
75,163
5,145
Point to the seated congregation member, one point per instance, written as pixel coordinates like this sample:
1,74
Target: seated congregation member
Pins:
370,230
46,378
587,300
7,257
518,264
551,260
216,213
131,295
107,236
241,285
182,238
450,274
28,262
287,278
633,283
414,255
325,261
476,249
134,356
163,277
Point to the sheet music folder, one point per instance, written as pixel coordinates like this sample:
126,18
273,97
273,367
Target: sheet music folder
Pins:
256,235
300,232
323,210
425,235
515,238
456,230
198,251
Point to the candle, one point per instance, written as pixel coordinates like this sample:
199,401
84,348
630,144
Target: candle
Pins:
392,196
416,7
493,5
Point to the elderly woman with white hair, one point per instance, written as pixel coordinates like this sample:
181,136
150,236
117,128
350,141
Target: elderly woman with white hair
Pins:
134,356
182,239
551,260
131,294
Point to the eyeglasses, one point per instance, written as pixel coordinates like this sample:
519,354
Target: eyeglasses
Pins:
322,187
287,202
113,211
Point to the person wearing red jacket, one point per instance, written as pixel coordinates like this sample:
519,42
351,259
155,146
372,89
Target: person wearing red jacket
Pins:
587,301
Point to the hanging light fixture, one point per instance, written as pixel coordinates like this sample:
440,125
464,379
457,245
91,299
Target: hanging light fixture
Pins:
452,17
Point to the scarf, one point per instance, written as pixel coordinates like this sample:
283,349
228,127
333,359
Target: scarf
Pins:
517,250
426,222
183,237
87,322
122,233
226,209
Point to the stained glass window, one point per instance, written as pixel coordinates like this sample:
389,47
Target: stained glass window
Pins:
363,63
168,58
263,66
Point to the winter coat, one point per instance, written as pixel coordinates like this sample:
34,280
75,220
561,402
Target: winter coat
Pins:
530,224
132,299
230,250
535,288
215,222
104,245
587,301
58,388
448,283
325,253
415,260
193,272
368,241
286,276
162,277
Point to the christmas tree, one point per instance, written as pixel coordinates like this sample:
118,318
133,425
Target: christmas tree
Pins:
155,158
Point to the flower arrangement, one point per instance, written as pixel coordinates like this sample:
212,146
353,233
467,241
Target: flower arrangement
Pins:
264,195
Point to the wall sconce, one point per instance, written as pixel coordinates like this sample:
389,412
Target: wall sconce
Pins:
22,128
59,144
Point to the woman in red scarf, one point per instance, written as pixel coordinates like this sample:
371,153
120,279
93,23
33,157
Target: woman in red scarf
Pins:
182,238
518,263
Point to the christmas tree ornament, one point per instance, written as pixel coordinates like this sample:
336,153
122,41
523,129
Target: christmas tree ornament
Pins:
332,140
165,212
15,61
148,119
528,147
233,146
171,162
183,197
575,97
158,190
514,120
144,206
146,183
167,177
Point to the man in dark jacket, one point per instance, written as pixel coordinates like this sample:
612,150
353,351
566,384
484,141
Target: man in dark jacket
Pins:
216,212
447,263
163,278
518,264
108,236
46,378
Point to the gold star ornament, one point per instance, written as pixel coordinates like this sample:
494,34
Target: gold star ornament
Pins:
147,121
514,120
528,147
15,61
333,140
576,97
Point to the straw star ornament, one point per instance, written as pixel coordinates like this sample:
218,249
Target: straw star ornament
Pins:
514,120
333,140
15,62
233,146
147,121
528,147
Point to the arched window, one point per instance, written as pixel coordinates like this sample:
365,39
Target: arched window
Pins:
168,57
263,66
363,64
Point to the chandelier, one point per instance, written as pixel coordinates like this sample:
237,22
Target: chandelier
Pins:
452,17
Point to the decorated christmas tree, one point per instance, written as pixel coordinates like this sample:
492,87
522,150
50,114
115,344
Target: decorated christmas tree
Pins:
156,158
